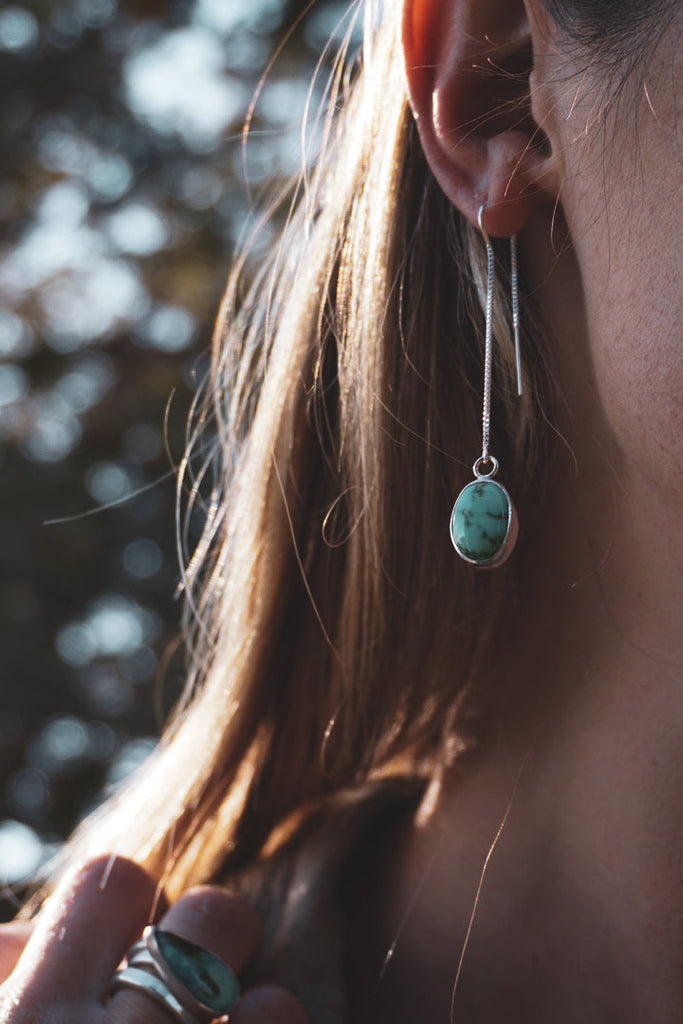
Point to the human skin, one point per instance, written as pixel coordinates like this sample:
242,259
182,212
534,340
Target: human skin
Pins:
580,915
581,909
64,969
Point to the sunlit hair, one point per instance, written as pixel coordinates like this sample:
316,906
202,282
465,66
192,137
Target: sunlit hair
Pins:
333,634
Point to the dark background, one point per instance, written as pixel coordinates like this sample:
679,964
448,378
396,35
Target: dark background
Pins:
124,193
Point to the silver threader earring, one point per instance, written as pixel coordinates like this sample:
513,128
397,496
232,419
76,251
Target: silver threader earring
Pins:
484,521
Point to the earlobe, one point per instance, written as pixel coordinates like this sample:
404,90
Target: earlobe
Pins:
468,66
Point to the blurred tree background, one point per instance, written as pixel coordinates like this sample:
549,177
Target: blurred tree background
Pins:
124,193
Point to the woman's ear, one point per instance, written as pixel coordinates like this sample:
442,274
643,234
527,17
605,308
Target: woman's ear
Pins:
469,65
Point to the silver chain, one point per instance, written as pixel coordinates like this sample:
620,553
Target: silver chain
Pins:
490,276
514,275
490,281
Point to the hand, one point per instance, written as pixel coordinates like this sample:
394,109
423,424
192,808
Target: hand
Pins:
13,938
64,973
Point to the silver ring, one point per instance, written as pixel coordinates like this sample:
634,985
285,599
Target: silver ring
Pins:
189,981
143,981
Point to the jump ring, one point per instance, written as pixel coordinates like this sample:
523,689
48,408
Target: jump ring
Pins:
483,461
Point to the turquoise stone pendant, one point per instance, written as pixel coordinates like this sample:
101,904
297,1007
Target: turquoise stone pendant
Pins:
484,522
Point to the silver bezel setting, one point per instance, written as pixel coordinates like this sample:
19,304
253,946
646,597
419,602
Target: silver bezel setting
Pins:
147,956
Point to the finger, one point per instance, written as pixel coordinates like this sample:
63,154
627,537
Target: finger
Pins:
86,928
13,938
218,920
268,1004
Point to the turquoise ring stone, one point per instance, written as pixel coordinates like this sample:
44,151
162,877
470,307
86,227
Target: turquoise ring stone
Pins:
200,981
483,524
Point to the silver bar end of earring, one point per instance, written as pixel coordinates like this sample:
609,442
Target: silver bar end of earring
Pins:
514,274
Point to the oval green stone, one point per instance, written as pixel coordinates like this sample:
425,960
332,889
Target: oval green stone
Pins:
480,520
203,974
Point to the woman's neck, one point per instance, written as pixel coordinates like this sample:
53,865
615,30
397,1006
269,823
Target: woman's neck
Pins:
570,814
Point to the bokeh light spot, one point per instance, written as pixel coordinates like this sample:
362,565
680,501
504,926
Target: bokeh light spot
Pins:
138,229
179,86
54,430
228,16
142,558
21,852
14,384
19,29
87,382
169,328
76,644
107,482
16,337
29,790
60,743
201,188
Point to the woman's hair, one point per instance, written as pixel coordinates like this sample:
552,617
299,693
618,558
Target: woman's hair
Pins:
333,634
622,32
